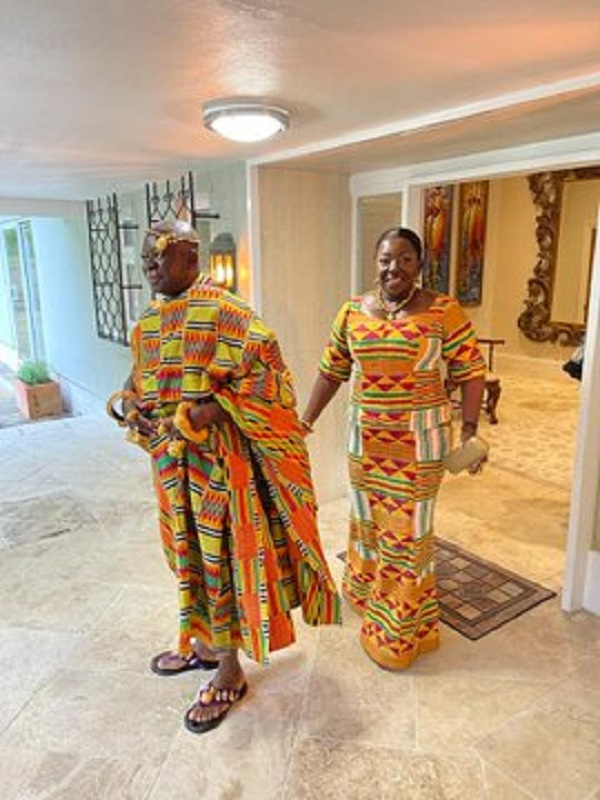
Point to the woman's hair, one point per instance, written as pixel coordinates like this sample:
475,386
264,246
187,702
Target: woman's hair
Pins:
401,233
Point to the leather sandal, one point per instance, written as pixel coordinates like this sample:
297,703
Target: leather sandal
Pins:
225,698
188,663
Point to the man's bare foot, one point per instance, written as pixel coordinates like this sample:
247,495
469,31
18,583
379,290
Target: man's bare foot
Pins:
216,698
204,651
171,663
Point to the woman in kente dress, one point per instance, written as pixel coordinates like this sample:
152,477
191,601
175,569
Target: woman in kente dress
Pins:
393,342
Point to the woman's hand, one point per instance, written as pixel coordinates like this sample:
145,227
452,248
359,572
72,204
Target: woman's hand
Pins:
477,467
468,431
322,393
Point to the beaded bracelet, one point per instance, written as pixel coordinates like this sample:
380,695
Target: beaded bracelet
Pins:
181,421
112,412
135,437
132,418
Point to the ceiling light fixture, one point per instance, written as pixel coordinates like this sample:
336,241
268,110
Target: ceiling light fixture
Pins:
244,121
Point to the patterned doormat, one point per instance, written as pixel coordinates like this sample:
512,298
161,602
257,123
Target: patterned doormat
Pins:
477,597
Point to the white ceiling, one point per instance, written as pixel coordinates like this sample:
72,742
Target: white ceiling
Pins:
103,95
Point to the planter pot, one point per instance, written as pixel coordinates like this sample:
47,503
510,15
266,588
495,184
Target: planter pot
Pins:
39,399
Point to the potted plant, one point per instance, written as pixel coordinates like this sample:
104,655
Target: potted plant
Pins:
38,394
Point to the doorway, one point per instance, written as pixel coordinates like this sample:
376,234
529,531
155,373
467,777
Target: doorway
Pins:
516,514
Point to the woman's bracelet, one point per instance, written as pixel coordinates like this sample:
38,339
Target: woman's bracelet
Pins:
306,425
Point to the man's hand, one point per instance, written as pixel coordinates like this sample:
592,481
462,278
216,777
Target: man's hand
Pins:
201,415
137,417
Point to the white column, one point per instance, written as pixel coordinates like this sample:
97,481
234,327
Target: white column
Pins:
582,573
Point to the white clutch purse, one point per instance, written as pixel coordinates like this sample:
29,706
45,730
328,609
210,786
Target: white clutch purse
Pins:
470,452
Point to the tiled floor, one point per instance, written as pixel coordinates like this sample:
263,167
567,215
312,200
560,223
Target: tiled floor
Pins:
9,413
85,601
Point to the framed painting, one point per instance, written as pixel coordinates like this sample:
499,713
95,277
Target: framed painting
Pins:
437,225
471,246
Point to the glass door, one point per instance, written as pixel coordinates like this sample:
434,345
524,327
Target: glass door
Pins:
23,292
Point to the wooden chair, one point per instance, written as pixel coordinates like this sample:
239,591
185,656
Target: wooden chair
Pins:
492,390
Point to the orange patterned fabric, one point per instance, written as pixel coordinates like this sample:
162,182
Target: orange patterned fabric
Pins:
399,434
237,511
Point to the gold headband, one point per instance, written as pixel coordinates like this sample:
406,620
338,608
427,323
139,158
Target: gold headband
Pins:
163,240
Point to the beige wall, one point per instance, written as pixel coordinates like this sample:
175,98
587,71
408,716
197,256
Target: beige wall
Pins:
512,252
305,277
375,215
596,539
578,216
225,189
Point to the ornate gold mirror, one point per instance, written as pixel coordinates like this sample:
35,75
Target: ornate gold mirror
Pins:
556,304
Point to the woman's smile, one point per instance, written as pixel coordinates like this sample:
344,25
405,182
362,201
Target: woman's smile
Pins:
395,283
398,267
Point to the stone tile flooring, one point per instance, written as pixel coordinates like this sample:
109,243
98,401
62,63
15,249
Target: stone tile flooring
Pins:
86,600
9,413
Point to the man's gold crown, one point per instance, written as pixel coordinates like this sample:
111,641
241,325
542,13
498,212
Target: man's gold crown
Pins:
163,240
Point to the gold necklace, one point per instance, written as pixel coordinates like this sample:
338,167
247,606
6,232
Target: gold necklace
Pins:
392,309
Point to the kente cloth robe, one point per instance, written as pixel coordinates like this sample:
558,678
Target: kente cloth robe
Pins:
237,510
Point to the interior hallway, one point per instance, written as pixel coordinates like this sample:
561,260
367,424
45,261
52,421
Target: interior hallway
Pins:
86,600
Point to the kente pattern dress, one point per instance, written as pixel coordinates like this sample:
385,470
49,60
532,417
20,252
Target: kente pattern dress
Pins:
400,429
237,510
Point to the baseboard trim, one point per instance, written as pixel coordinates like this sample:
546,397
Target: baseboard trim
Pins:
591,592
78,400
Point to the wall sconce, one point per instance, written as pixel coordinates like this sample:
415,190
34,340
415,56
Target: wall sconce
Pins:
222,261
